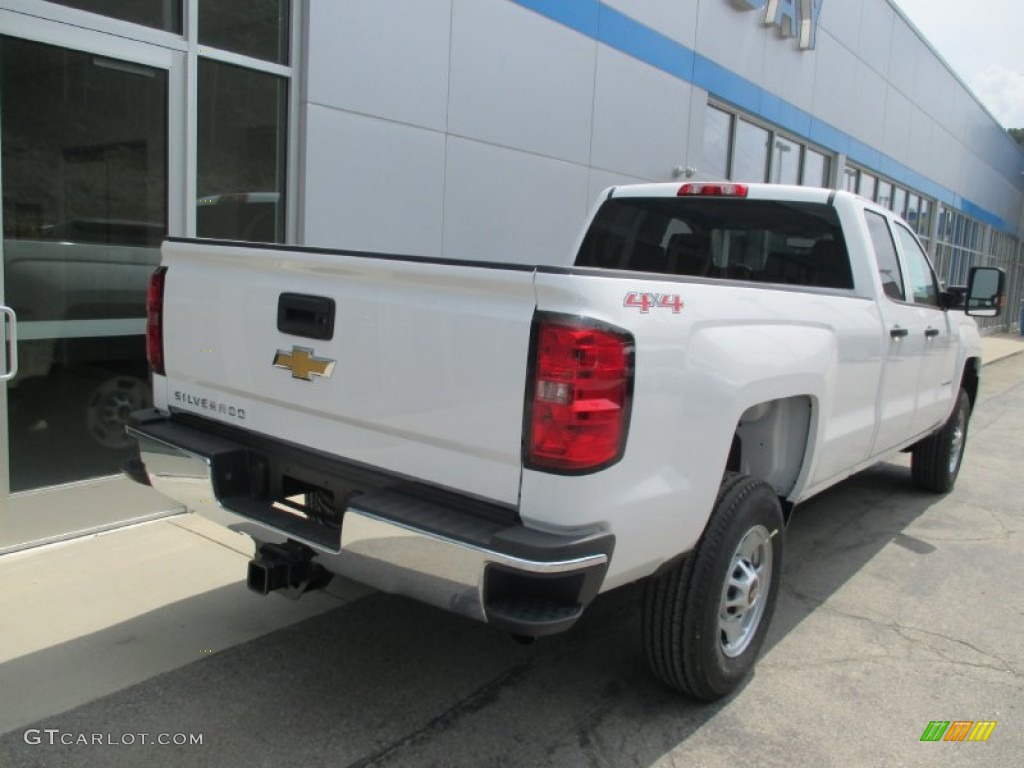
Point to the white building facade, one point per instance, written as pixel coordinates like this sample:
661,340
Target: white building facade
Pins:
463,129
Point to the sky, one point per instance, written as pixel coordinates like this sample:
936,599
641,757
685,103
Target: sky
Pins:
983,41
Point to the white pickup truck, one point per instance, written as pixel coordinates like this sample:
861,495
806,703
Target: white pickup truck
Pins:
508,441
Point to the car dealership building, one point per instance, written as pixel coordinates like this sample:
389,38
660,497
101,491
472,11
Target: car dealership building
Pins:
465,129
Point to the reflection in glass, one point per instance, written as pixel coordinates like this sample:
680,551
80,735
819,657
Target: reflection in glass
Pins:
899,201
750,160
159,14
884,194
866,185
816,169
84,209
257,28
885,254
924,220
913,206
716,144
922,280
785,161
241,163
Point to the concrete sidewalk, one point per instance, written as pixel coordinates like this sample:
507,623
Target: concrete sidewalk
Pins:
84,618
998,346
89,617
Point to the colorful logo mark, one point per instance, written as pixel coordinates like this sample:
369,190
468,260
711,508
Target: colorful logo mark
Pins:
958,730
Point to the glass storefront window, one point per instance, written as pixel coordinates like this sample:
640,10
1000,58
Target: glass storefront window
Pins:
257,28
159,14
785,161
850,179
899,202
924,219
913,208
816,169
750,160
866,185
85,168
756,154
717,132
884,194
241,153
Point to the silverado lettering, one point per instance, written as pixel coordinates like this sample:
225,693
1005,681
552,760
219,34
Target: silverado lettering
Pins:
209,405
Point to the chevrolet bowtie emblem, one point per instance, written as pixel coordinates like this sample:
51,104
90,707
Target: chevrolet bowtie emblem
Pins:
303,363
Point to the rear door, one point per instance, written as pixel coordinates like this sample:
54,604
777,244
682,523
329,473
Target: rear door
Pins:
415,367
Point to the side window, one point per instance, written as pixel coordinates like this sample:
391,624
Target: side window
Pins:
922,278
885,252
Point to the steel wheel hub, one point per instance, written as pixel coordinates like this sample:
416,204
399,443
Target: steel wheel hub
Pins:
745,591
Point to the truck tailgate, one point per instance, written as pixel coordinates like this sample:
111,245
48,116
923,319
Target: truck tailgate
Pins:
423,374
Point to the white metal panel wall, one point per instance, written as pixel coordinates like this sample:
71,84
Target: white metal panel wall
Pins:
897,121
506,205
387,59
790,73
482,119
736,40
875,32
486,127
641,118
372,184
520,81
835,83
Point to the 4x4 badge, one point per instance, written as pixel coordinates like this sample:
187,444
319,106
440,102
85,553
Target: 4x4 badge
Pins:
303,363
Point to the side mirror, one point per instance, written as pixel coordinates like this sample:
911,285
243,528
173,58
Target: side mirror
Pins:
986,292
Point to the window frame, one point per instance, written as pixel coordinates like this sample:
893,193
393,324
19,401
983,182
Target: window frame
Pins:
723,243
730,133
802,144
869,212
289,72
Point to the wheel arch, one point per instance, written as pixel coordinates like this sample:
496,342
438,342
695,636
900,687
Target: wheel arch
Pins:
771,443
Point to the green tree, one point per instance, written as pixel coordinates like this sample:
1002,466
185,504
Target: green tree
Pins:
1017,134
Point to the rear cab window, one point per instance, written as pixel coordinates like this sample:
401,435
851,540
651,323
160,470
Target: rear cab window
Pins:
769,241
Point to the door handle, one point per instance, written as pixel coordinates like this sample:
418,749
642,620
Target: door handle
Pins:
311,317
899,333
931,333
12,342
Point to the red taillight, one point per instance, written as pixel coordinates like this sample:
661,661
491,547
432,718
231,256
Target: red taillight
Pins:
155,321
713,190
578,411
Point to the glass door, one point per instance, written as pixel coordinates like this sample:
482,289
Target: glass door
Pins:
84,147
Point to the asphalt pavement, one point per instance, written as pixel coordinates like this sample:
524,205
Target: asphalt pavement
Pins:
897,609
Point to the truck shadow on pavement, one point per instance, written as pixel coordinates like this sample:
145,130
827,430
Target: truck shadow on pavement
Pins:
386,681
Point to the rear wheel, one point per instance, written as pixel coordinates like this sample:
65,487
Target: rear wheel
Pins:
935,461
705,620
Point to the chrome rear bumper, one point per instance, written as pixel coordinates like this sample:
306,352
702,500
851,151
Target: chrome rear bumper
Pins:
524,581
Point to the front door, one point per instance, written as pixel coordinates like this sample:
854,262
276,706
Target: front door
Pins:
903,335
84,173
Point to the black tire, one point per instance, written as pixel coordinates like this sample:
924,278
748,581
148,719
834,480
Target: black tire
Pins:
685,640
935,461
